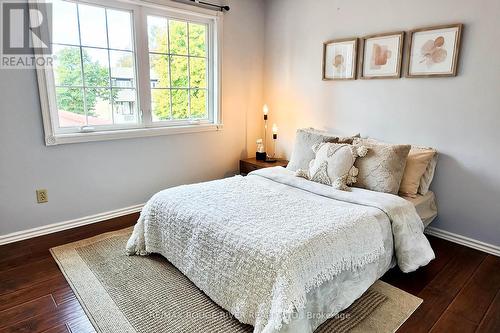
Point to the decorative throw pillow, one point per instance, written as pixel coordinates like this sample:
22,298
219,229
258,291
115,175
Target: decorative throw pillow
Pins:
305,138
382,168
333,165
416,164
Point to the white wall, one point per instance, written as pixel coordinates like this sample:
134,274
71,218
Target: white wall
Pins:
88,178
459,116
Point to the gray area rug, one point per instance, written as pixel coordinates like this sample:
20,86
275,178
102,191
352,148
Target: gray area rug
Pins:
148,294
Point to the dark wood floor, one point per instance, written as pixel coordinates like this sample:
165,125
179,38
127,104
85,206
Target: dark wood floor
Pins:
460,289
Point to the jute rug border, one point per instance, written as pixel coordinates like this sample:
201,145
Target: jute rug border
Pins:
101,310
392,313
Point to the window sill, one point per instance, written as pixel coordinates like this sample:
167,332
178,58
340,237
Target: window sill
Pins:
59,139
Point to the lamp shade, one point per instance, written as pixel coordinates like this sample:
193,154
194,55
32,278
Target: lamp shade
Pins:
275,129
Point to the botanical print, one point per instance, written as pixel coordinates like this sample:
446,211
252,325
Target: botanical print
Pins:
433,51
339,60
339,65
382,55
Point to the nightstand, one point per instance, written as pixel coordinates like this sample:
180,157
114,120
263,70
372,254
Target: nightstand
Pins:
251,164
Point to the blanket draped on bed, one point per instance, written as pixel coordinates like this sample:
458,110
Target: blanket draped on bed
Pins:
256,250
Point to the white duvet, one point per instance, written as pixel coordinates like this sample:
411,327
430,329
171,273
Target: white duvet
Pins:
257,245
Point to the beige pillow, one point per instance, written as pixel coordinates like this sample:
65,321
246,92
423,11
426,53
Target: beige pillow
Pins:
382,168
333,165
416,164
305,138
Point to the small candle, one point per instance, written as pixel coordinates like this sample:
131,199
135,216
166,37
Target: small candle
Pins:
275,129
265,109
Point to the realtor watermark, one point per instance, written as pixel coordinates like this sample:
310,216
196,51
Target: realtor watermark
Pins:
178,314
26,34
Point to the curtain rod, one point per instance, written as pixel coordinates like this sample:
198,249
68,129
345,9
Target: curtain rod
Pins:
198,2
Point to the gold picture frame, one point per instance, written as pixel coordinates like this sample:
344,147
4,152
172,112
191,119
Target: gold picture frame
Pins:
433,51
382,62
340,58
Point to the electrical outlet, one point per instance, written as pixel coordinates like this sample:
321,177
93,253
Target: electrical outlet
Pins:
41,196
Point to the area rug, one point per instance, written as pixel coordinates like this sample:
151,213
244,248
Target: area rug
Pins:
148,294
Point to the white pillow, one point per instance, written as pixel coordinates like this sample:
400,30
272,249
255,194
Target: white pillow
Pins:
428,176
305,138
333,165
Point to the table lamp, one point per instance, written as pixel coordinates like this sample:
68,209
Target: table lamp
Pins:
272,159
261,154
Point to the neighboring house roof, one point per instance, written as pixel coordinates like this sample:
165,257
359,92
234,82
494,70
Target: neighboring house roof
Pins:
67,119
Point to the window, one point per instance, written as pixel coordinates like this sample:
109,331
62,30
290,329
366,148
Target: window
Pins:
122,70
178,65
94,66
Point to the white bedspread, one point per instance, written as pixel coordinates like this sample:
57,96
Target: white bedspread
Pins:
257,248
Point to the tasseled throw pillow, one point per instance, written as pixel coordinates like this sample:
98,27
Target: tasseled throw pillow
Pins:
333,165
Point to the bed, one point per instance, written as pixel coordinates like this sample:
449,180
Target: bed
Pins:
279,252
425,206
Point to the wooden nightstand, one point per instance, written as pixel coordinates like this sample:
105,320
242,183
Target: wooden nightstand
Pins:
251,164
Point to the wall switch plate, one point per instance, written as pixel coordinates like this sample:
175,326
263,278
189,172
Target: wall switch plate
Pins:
41,196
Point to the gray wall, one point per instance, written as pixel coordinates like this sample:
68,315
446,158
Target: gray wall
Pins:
459,116
89,178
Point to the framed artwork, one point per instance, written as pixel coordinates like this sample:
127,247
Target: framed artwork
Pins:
434,51
339,59
381,55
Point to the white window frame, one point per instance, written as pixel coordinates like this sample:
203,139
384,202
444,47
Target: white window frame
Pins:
140,10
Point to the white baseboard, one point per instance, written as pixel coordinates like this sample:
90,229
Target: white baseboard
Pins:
462,240
60,226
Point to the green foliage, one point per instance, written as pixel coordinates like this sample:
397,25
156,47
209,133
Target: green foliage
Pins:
70,99
161,103
197,40
159,70
180,104
198,103
198,68
179,68
68,73
179,71
178,37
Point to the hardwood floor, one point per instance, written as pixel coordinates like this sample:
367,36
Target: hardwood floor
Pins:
460,288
